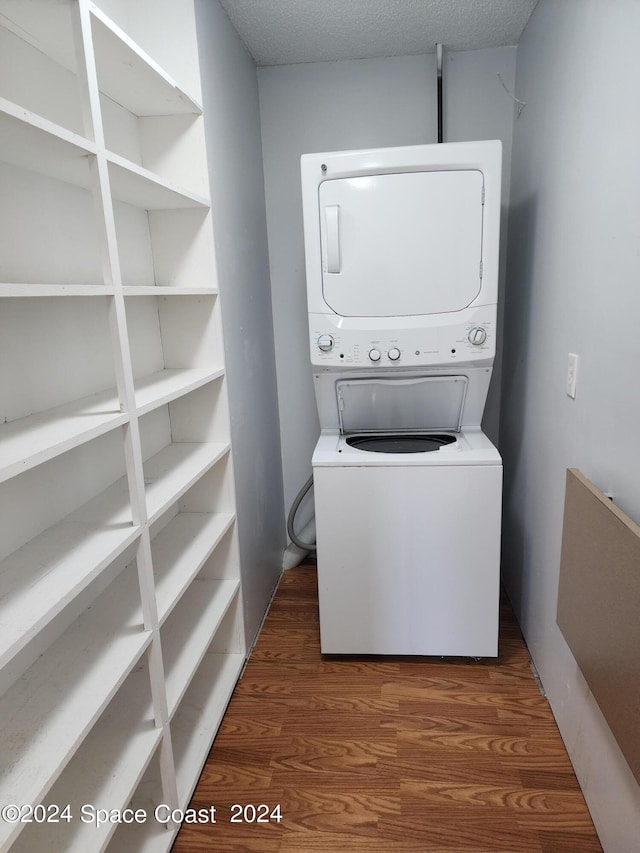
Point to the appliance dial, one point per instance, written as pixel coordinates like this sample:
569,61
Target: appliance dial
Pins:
325,343
394,353
477,336
375,354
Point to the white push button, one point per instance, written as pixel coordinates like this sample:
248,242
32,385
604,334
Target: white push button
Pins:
375,354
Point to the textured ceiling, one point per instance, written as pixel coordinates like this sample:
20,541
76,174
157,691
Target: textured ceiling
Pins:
279,32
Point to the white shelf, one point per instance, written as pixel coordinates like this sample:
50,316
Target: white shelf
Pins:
35,143
104,772
186,636
160,388
46,714
30,441
21,291
152,836
196,722
149,837
33,440
175,469
180,550
139,187
168,475
130,77
38,580
165,290
127,74
43,24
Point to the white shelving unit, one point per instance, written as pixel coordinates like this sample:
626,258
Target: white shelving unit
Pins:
121,634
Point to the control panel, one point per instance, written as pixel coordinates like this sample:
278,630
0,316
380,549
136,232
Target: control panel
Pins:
473,341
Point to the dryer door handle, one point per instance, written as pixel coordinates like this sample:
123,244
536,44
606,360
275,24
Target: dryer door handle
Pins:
332,234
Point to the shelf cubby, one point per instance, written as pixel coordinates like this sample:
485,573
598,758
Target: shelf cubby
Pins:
37,60
174,470
190,629
103,774
46,714
86,483
165,249
53,377
31,141
131,77
144,189
163,387
49,231
196,721
174,333
39,579
34,439
148,117
181,549
212,492
151,836
167,146
201,415
198,716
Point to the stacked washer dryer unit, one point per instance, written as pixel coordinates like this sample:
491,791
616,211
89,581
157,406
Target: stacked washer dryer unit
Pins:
401,252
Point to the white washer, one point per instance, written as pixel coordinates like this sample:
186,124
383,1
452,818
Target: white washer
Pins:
409,548
402,260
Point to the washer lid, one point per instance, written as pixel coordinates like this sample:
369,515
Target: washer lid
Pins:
402,244
426,403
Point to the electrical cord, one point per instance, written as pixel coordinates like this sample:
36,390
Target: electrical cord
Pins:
305,546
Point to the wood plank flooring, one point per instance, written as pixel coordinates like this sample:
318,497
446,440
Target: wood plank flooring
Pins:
411,755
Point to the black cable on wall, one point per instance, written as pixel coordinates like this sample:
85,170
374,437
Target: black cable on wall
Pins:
439,90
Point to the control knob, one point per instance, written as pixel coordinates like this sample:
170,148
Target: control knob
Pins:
325,343
477,336
394,354
375,354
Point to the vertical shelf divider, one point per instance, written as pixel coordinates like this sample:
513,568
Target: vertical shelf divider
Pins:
125,382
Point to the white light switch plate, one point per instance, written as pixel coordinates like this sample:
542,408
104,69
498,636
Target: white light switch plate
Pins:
572,374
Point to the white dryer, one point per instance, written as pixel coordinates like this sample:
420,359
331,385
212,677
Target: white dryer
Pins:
402,272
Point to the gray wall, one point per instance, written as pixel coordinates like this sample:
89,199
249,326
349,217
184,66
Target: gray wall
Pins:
332,106
230,97
572,286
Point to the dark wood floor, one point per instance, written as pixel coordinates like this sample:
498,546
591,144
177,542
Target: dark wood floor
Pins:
412,755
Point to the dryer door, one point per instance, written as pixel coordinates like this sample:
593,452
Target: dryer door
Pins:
401,244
